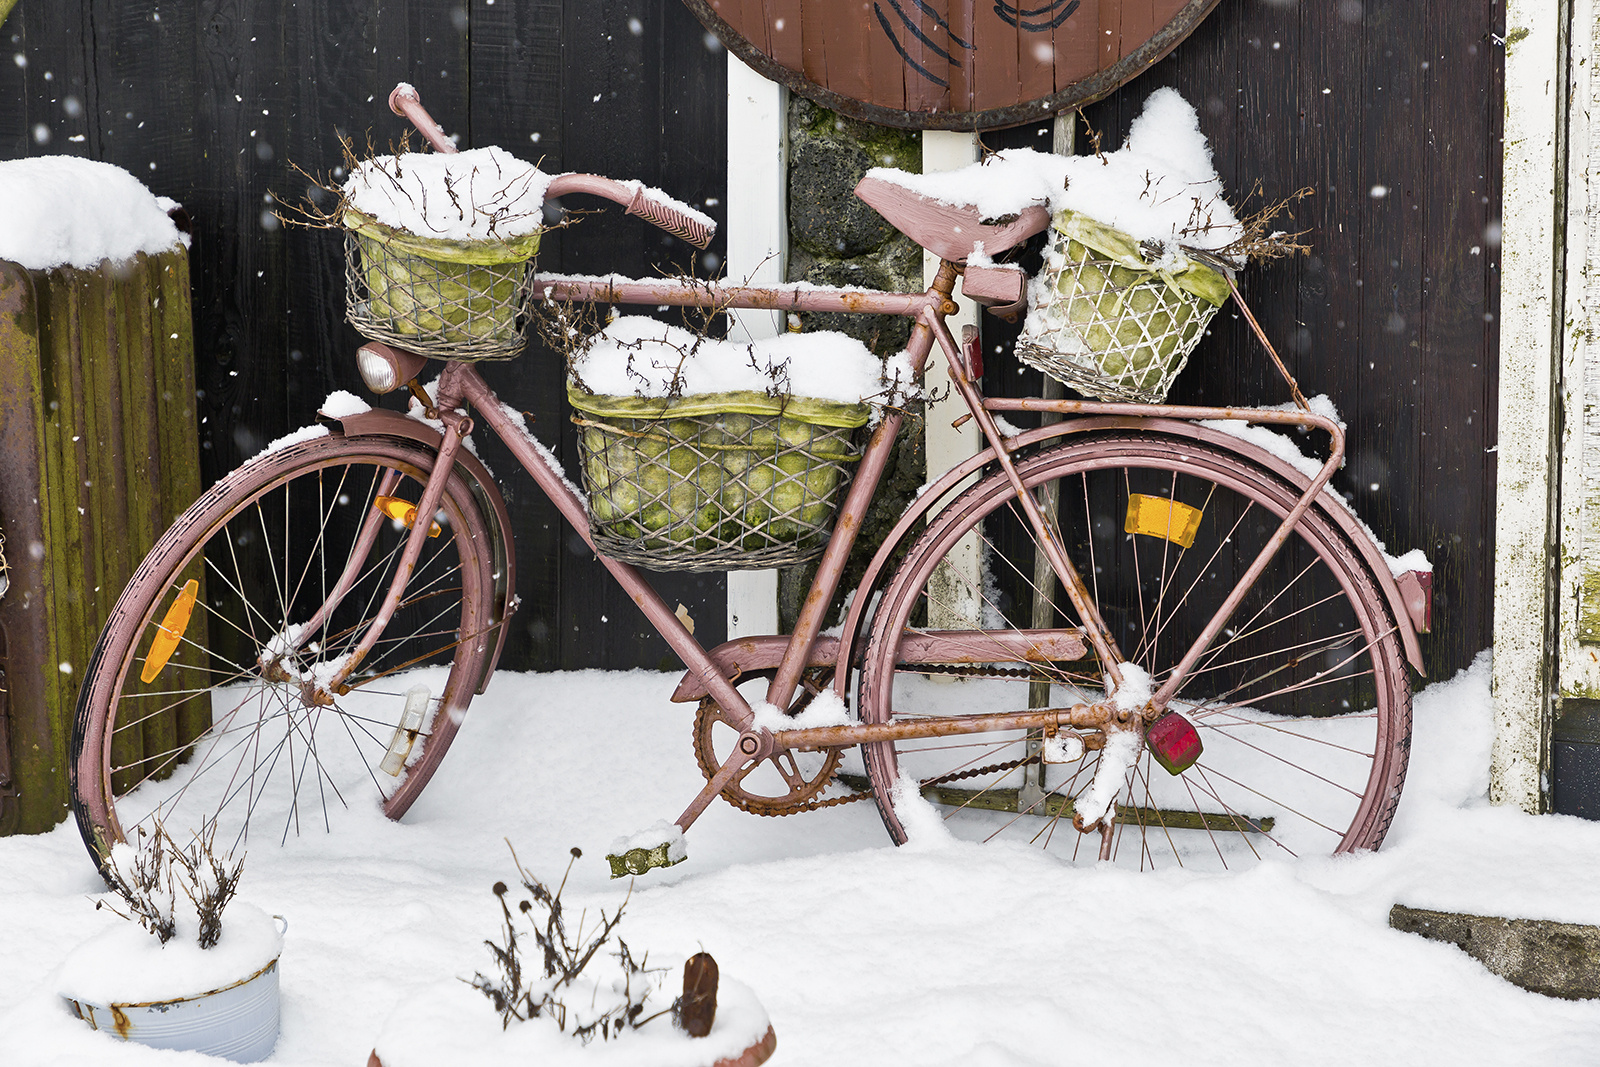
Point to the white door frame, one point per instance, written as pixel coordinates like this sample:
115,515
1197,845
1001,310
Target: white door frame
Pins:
1544,243
758,247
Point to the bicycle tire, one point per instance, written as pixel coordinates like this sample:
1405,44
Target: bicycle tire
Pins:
1303,701
210,741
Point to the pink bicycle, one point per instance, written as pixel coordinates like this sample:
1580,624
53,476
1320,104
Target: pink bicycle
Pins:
1175,641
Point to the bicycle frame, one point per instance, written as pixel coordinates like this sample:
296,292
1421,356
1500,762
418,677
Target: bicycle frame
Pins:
460,388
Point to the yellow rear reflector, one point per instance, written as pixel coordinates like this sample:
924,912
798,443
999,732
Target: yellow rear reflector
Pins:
171,631
402,511
1159,517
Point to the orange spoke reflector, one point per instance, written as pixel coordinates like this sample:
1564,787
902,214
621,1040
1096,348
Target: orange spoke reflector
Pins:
171,632
402,511
1159,517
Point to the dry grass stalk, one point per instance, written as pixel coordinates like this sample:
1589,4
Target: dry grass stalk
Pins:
519,995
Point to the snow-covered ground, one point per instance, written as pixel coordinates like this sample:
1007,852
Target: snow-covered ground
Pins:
936,953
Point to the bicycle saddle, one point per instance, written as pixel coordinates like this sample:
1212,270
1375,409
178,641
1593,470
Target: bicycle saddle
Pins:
949,231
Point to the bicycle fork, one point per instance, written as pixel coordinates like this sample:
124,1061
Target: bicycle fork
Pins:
321,688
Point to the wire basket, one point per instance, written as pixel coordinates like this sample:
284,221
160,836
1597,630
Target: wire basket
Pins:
1110,322
711,491
464,300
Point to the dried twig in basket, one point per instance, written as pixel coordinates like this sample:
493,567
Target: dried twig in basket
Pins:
1259,242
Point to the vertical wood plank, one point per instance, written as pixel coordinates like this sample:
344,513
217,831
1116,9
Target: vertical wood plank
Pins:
522,45
995,47
788,45
814,28
1110,36
846,48
751,20
1138,24
1035,61
1381,472
1074,44
888,69
28,613
1454,79
924,92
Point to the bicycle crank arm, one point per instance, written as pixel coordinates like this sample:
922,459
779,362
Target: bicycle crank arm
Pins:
753,747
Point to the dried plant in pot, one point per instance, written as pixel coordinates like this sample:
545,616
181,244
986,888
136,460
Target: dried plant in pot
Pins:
569,990
192,969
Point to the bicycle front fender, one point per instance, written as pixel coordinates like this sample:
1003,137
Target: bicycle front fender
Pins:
382,422
1409,613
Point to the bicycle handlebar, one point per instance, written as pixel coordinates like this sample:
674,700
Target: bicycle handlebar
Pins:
637,200
633,196
404,101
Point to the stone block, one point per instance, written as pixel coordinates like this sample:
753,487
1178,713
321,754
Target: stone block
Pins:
1553,958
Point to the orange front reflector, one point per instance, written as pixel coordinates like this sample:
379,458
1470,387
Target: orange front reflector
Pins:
171,631
402,511
1159,517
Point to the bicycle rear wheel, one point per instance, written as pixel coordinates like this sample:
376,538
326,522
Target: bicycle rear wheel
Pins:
1302,702
201,704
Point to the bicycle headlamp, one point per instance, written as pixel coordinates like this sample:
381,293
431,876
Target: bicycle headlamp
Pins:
386,369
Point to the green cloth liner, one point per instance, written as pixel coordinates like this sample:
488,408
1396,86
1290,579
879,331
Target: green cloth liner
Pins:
485,251
1196,278
800,408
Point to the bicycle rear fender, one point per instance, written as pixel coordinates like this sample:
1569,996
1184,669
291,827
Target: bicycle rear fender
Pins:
379,421
1410,607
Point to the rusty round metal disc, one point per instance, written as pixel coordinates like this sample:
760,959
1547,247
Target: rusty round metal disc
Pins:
951,64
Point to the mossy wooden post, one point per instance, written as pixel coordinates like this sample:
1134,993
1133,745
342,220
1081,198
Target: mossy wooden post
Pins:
98,454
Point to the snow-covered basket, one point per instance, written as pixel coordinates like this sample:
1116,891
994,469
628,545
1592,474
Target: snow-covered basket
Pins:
1140,241
739,466
1109,320
437,251
716,482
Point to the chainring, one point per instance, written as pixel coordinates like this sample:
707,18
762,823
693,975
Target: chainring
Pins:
805,773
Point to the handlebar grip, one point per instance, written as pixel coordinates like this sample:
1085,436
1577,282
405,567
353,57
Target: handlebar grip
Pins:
670,219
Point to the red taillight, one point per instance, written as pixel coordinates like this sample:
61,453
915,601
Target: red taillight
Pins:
1174,742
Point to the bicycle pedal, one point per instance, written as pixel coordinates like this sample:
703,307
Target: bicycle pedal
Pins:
628,858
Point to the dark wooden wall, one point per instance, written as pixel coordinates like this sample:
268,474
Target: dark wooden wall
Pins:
1393,314
211,102
1390,110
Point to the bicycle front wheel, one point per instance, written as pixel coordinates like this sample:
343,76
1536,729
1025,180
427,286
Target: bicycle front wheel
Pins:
1302,701
205,704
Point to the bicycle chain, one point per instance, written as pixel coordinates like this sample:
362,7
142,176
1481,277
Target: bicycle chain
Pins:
993,768
815,805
